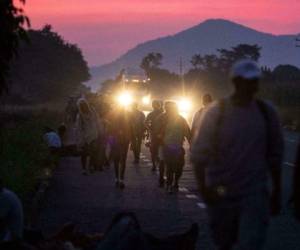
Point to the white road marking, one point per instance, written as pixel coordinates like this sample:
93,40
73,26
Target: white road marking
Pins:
191,196
201,205
289,164
184,190
291,140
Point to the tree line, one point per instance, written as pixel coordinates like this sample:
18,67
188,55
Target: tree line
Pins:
36,66
47,69
209,74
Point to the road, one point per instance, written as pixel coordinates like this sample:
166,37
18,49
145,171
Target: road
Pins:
93,200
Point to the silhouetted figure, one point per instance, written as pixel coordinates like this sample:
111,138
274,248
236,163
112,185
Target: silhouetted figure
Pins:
87,130
11,215
238,142
206,100
150,124
71,111
137,122
173,129
119,135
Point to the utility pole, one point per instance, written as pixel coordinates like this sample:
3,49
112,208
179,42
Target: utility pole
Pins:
181,73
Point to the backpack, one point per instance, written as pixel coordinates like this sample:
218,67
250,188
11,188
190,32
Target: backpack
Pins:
263,108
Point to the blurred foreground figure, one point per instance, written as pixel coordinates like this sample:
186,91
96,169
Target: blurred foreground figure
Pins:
11,216
239,142
206,100
173,129
137,118
150,125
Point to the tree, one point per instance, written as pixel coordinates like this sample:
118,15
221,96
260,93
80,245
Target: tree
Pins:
285,73
197,61
150,61
13,23
48,69
243,51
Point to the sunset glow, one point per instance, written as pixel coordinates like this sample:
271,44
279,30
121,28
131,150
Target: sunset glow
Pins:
106,29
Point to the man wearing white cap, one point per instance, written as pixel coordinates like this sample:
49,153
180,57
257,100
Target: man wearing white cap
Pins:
239,142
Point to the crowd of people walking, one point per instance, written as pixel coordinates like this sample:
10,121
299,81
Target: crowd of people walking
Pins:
235,144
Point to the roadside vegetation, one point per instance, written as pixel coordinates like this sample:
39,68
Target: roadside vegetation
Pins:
24,157
38,67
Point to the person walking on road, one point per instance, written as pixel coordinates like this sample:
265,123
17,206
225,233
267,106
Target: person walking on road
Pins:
150,125
173,131
87,135
206,100
239,141
138,131
119,135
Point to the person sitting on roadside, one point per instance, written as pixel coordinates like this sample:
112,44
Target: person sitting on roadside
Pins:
11,215
150,124
239,143
206,100
87,135
173,129
52,140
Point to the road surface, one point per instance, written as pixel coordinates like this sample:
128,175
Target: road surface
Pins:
93,200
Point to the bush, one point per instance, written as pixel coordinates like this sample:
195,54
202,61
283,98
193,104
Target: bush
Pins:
24,155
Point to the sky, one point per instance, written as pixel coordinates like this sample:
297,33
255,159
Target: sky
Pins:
105,29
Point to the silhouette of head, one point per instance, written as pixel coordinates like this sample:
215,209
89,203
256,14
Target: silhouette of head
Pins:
83,106
206,99
134,106
156,104
245,77
48,129
171,108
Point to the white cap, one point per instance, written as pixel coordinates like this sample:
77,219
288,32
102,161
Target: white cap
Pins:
247,69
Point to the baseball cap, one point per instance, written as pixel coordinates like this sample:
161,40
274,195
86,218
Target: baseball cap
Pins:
247,69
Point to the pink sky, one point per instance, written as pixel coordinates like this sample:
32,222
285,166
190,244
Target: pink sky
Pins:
106,29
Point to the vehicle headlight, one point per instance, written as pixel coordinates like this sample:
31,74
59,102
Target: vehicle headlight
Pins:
125,99
184,105
146,100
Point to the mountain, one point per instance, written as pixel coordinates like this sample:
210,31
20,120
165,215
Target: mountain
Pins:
204,38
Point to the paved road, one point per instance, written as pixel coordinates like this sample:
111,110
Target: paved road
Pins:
93,200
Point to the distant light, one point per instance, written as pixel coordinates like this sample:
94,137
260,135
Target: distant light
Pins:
148,79
146,100
184,105
136,80
126,80
125,99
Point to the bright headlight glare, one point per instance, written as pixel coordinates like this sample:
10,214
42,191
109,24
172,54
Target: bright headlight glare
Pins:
146,100
184,105
125,99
